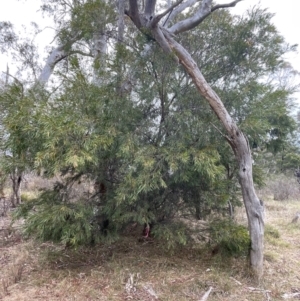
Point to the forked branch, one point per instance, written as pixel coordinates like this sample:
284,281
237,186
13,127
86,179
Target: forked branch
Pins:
204,11
160,16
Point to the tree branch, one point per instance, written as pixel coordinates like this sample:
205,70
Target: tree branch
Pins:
160,16
81,53
55,56
196,19
200,82
206,295
226,5
161,40
180,9
204,11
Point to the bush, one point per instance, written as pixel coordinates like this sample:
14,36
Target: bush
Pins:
174,234
27,197
47,218
229,238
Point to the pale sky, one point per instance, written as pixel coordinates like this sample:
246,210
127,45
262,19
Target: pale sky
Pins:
22,12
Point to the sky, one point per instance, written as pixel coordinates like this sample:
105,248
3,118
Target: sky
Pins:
286,19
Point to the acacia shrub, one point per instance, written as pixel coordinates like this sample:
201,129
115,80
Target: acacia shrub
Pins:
229,238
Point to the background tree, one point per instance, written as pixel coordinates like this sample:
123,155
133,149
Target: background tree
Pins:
18,146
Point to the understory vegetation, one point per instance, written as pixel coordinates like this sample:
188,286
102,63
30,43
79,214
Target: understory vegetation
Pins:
144,269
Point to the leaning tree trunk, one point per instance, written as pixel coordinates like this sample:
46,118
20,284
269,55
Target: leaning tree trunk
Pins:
240,146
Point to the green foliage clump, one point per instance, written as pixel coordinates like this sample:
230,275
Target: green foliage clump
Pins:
174,234
27,197
229,238
48,218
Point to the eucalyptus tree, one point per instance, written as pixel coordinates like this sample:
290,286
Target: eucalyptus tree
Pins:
142,123
154,26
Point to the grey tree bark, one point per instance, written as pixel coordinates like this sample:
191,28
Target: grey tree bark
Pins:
55,56
121,9
16,178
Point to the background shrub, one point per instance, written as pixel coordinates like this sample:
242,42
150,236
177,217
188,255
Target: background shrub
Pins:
229,238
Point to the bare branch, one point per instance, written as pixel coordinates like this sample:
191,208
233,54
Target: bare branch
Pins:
204,11
225,5
203,87
218,130
180,9
206,295
161,40
290,296
81,53
196,19
160,16
55,56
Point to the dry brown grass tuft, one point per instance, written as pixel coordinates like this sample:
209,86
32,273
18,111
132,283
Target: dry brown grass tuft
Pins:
133,270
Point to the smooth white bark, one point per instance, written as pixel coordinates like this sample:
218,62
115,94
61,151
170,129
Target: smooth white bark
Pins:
55,56
179,9
202,12
99,54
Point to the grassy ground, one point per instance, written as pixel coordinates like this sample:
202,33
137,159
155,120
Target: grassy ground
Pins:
133,270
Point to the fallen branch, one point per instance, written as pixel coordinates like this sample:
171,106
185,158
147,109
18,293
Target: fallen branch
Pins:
290,296
205,296
236,281
256,289
148,288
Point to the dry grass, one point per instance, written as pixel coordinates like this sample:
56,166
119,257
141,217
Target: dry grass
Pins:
133,270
